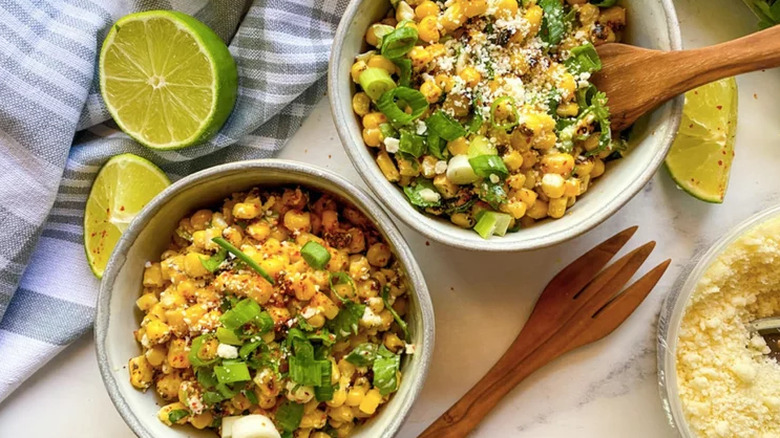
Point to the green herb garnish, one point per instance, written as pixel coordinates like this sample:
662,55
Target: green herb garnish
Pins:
243,257
398,320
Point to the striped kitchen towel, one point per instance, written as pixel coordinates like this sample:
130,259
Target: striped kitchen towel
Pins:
52,141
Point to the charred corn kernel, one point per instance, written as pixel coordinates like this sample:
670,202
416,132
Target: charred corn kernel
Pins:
378,255
516,209
347,369
589,13
202,420
296,220
316,321
259,230
533,15
471,76
567,109
472,8
530,158
193,265
428,30
532,176
521,140
462,220
156,355
420,57
408,167
528,196
557,207
562,164
325,305
357,68
444,82
516,181
614,17
518,62
194,313
538,210
166,410
361,103
459,146
506,8
445,187
392,342
403,11
141,372
457,104
591,143
146,301
153,276
453,17
426,9
538,122
436,50
157,332
246,210
584,168
372,137
545,141
178,353
342,413
379,61
571,188
513,160
598,168
370,402
553,185
431,91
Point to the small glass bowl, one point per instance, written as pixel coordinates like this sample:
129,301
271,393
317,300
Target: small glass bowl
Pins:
672,311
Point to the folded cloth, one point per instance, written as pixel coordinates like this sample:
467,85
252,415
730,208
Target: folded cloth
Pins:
52,142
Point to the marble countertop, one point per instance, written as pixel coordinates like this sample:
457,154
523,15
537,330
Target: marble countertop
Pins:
482,300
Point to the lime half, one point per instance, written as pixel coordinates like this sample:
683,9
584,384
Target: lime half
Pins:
700,158
124,185
167,79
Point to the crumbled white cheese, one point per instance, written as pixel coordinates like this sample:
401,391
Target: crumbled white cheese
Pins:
226,351
410,348
727,386
392,144
428,195
421,128
309,311
440,167
370,318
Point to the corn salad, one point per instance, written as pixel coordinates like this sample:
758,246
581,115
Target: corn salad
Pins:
482,110
282,303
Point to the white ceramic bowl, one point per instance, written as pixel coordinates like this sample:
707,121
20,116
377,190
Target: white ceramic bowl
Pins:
149,234
673,310
652,24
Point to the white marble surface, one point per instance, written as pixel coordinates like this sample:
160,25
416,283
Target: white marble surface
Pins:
481,300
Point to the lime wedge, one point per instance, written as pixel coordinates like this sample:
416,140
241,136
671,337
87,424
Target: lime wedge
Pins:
167,79
700,158
124,185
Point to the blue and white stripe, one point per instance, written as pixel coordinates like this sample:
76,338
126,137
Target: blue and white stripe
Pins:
55,135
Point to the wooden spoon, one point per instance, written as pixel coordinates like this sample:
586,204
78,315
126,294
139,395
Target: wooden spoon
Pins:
576,308
638,80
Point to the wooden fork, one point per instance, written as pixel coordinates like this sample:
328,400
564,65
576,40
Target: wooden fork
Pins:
576,308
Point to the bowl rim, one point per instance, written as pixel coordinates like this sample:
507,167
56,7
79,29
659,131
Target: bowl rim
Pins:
369,172
673,309
382,222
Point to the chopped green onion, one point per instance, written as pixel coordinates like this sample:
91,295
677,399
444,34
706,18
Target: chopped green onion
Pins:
242,313
211,398
309,371
205,377
387,130
511,121
486,165
436,145
459,170
399,42
227,336
226,391
604,3
289,415
376,82
213,263
386,367
177,414
251,396
474,123
405,71
480,145
492,223
246,350
316,255
553,25
583,59
244,258
398,320
197,345
444,125
389,106
231,372
423,193
363,355
411,143
324,392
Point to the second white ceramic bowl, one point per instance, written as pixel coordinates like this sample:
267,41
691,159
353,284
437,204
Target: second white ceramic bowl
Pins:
148,236
652,24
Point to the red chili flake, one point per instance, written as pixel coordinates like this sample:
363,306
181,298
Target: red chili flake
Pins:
427,243
720,162
719,107
121,208
452,289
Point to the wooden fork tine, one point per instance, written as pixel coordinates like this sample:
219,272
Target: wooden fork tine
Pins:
617,310
574,277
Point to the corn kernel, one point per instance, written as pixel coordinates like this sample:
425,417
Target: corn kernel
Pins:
372,137
426,9
562,164
361,103
598,168
357,68
428,30
471,76
472,8
379,61
431,91
453,17
146,301
557,207
538,210
420,57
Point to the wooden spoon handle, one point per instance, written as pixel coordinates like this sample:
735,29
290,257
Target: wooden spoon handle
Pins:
507,373
689,69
